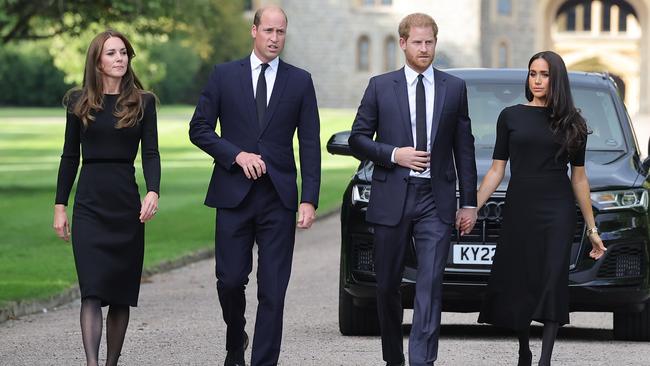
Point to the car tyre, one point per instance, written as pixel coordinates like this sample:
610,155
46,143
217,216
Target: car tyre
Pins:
632,326
355,320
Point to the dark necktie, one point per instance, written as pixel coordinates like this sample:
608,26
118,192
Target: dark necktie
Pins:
260,95
420,116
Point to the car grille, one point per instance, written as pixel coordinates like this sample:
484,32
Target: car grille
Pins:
489,221
486,230
363,254
622,261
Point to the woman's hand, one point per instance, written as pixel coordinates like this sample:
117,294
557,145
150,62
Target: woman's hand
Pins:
61,225
149,207
597,247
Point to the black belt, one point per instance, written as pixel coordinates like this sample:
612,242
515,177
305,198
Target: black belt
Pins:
107,161
419,180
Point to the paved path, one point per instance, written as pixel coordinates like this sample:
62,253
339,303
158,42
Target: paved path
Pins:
178,323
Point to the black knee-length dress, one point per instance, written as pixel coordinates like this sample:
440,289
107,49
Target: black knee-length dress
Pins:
530,271
107,235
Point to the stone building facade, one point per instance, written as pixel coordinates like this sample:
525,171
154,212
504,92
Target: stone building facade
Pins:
345,42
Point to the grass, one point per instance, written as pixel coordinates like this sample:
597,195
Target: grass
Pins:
35,264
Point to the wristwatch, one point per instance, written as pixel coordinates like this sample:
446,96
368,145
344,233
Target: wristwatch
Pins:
593,230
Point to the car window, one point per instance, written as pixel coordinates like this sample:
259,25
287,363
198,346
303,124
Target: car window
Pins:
486,100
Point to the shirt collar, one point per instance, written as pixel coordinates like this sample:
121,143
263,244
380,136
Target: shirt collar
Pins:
412,75
256,62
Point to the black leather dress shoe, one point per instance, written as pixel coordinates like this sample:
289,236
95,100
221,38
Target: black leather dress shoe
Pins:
236,358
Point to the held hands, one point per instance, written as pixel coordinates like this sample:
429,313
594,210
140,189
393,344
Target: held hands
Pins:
149,207
61,225
252,164
466,219
597,246
306,215
413,159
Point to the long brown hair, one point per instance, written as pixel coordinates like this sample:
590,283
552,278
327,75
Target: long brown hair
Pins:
129,107
566,121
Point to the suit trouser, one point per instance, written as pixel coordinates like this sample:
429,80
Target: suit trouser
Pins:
431,237
260,218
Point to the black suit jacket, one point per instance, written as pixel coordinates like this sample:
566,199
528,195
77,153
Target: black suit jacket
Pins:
228,97
384,114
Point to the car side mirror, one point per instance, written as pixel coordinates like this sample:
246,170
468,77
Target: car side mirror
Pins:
338,144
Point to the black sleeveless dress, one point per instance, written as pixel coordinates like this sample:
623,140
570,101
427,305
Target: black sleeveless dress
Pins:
107,235
530,272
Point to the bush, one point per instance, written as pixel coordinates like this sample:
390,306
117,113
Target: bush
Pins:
180,67
29,77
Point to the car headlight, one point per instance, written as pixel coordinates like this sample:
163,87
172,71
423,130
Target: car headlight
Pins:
360,193
636,199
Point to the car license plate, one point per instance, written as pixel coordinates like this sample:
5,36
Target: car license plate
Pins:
473,254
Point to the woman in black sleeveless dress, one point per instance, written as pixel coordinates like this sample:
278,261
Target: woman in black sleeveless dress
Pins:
530,273
109,118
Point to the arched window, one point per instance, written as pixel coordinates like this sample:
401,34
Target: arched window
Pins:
363,53
390,53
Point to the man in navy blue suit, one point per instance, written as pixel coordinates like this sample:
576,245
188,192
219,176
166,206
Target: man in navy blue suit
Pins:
423,141
260,102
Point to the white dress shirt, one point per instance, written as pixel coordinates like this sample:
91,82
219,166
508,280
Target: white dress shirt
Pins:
271,72
429,95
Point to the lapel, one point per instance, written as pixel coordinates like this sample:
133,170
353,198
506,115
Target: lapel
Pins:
246,79
401,92
278,88
440,86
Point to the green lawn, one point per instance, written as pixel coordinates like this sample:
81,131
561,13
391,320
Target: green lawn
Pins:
34,263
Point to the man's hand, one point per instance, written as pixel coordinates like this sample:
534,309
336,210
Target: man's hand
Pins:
413,159
306,215
465,220
252,164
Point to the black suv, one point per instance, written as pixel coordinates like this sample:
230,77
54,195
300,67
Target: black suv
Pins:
619,282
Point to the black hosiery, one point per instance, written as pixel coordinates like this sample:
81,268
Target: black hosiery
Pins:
91,328
525,356
116,324
548,340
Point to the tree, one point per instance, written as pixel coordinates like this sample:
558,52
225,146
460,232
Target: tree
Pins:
39,19
204,32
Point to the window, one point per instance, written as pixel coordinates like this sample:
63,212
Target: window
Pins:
390,53
576,15
363,53
504,7
371,3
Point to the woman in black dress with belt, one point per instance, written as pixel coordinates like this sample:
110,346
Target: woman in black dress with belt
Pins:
108,119
530,273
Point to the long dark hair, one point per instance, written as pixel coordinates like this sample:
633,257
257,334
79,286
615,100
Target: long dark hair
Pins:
566,122
129,107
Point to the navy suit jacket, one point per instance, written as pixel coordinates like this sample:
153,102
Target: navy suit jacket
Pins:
228,97
384,113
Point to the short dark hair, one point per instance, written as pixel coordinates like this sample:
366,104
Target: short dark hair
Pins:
257,19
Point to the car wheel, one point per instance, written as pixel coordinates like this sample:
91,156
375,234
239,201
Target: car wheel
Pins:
632,326
355,320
